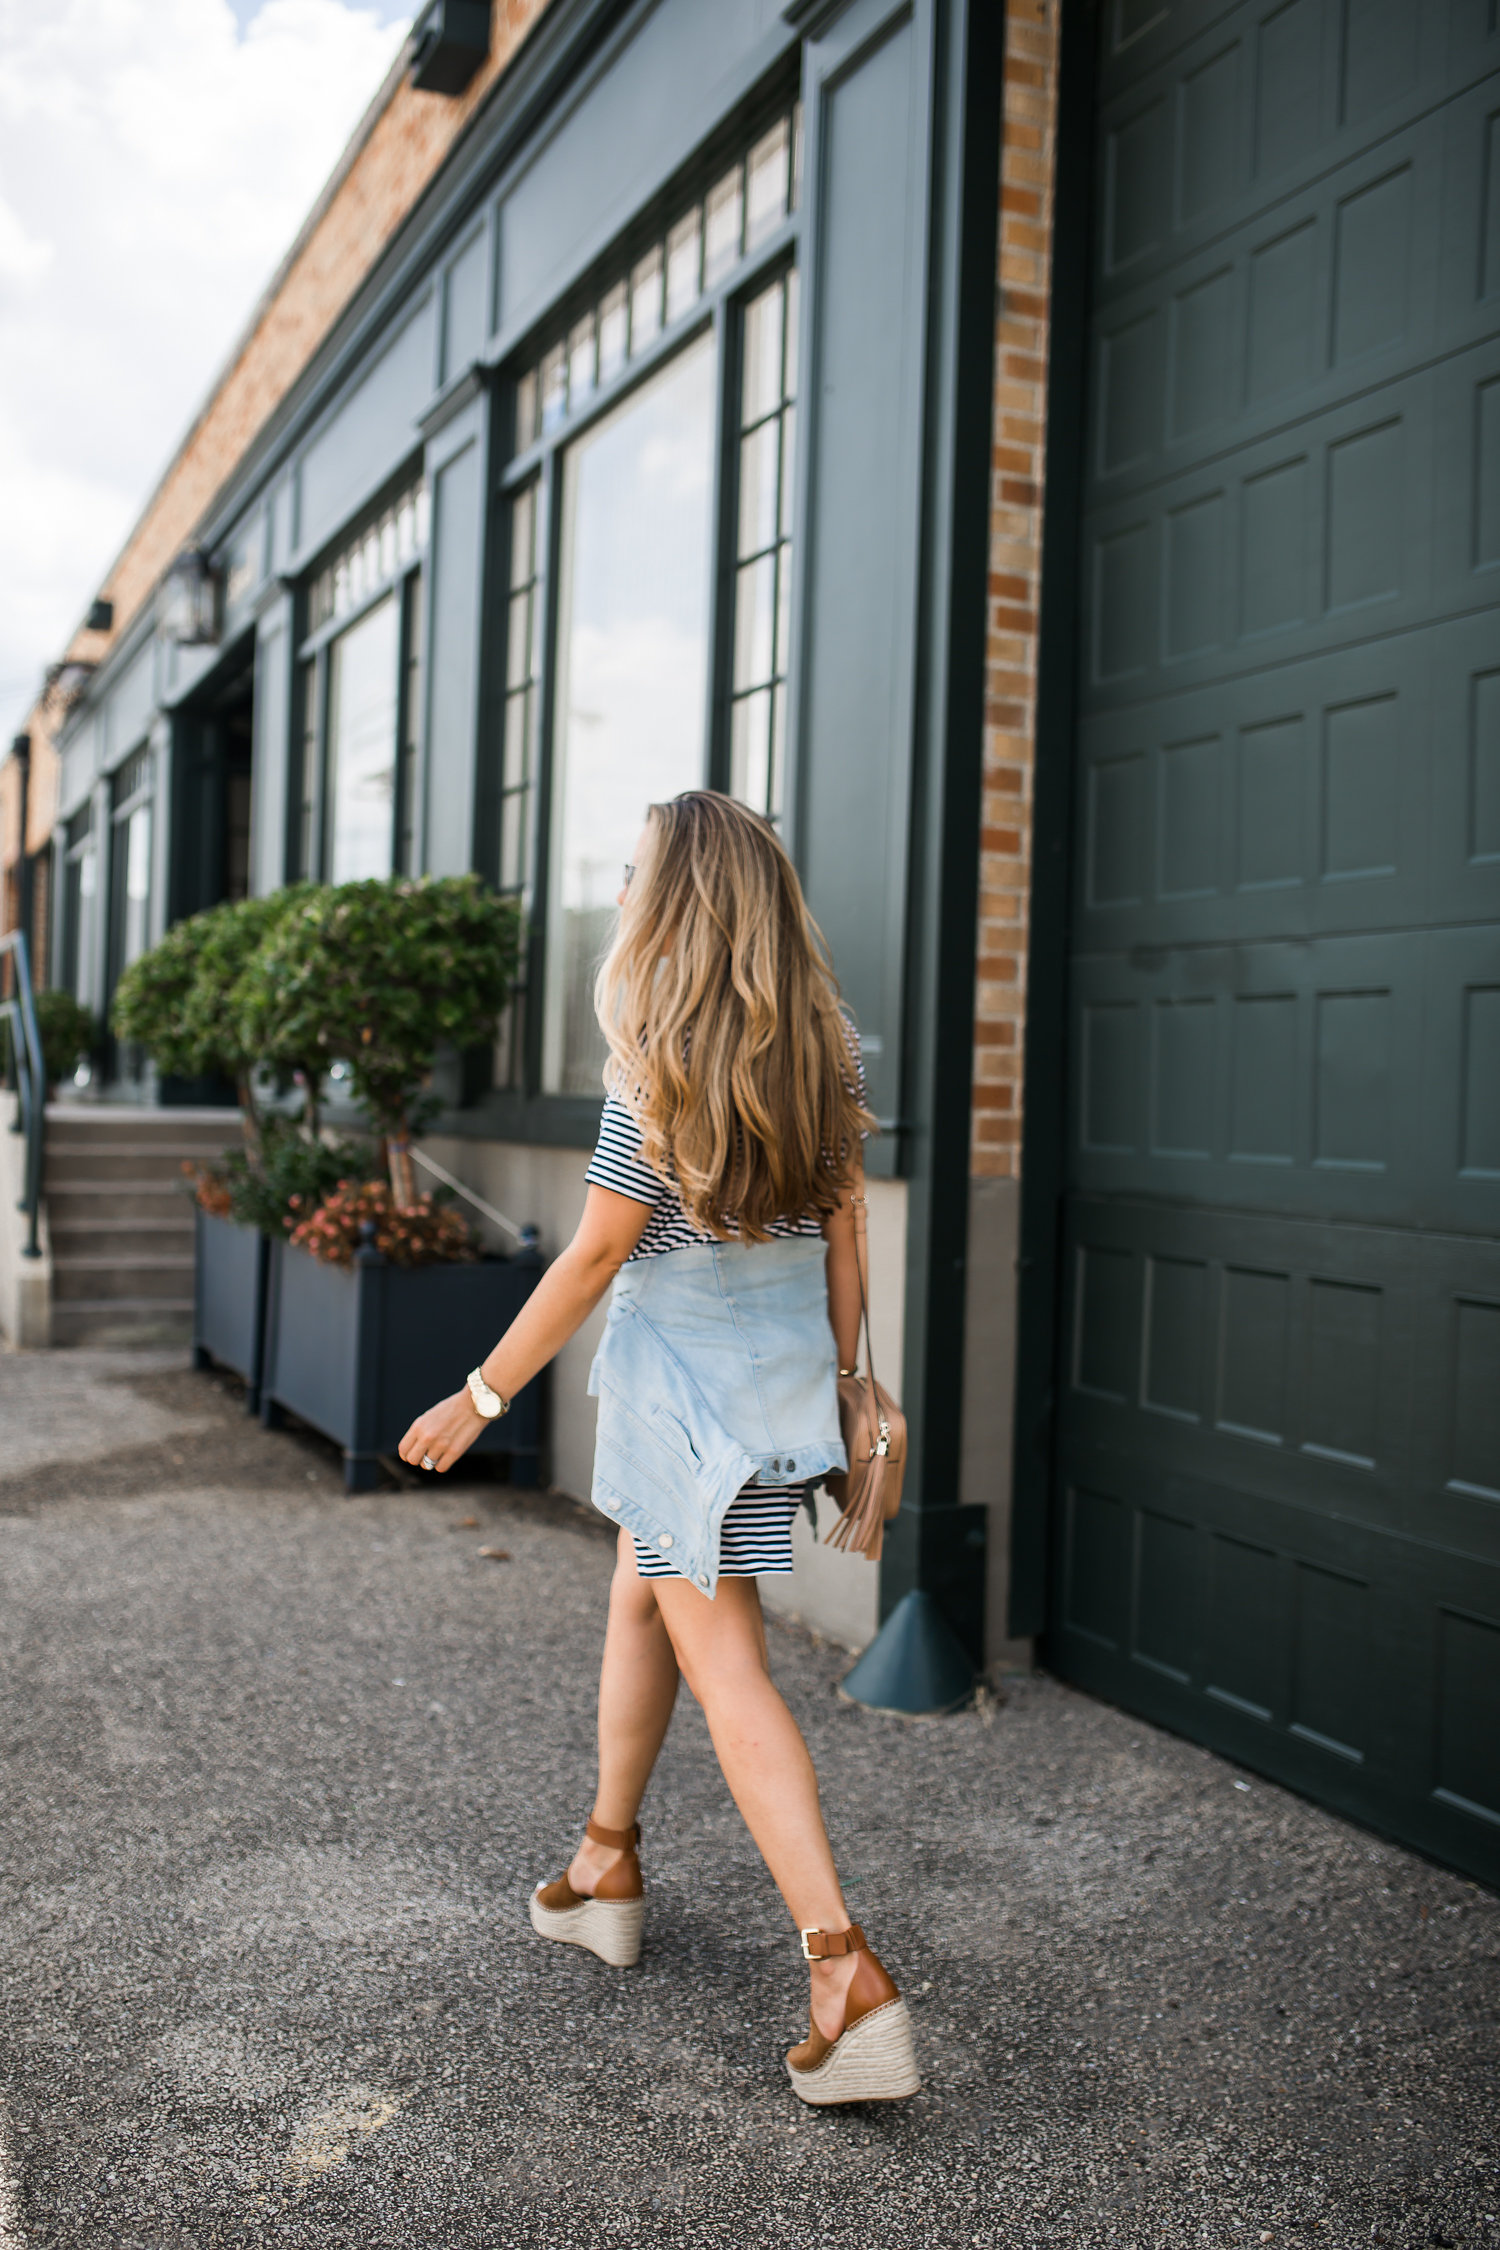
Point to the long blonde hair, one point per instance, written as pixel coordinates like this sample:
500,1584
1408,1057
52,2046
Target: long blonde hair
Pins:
722,1015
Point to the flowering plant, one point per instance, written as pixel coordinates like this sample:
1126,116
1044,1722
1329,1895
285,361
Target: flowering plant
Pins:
210,1187
424,1233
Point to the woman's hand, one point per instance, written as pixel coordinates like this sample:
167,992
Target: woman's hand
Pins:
443,1434
557,1308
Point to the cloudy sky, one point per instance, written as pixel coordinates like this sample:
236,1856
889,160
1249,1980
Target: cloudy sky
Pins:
156,158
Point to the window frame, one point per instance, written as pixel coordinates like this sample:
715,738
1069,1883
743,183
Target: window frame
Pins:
306,859
523,1111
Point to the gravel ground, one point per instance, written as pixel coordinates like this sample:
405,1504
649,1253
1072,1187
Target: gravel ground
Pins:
282,1766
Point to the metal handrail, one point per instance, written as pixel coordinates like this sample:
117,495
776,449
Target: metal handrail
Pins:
31,1081
527,1237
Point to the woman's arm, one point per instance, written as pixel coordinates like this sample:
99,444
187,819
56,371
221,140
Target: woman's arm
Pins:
557,1308
843,1272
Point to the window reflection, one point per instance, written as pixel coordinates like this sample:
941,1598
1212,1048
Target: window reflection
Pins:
362,745
637,497
523,665
135,933
742,209
763,549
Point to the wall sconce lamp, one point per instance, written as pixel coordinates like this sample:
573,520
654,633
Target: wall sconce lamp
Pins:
67,680
188,606
451,38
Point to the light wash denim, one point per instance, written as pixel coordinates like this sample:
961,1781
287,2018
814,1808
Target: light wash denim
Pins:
717,1366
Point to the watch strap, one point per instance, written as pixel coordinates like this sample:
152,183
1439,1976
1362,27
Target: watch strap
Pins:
487,1402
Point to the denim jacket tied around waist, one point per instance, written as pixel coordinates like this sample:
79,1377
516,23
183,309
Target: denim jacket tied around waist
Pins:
717,1366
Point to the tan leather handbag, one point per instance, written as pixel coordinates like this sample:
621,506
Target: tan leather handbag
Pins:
874,1433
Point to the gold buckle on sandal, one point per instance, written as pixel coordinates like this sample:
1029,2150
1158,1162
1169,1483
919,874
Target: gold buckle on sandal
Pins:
807,1953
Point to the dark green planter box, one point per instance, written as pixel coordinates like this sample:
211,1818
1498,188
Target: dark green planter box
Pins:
229,1299
360,1351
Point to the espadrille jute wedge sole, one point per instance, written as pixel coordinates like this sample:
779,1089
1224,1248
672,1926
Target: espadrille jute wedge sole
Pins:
607,1923
872,2059
609,1927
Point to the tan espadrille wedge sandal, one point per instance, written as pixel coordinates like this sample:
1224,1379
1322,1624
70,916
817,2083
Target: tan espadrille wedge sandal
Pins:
872,2059
609,1923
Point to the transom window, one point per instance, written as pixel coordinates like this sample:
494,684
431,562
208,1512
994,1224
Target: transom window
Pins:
660,288
359,699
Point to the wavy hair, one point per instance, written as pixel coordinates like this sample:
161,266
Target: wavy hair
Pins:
726,1037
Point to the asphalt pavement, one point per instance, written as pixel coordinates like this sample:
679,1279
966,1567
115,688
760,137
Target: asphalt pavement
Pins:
281,1766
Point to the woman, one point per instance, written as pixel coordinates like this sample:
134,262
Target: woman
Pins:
721,1207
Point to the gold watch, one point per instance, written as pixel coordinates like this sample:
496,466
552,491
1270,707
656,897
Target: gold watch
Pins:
486,1402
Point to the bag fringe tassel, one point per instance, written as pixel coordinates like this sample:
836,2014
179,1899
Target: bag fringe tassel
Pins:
862,1530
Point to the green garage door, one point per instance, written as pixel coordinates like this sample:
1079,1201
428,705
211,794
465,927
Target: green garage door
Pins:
1278,1479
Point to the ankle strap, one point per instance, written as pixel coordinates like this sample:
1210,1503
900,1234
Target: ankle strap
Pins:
831,1945
614,1839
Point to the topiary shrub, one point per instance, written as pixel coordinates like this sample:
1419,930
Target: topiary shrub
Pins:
180,1001
69,1031
378,975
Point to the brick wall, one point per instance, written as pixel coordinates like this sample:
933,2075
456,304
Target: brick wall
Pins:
1028,145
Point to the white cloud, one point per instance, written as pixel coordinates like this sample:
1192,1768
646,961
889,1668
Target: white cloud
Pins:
22,258
156,159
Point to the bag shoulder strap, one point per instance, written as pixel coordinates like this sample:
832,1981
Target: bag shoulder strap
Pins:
861,1256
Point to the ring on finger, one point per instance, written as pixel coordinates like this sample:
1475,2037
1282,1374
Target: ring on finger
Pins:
428,1462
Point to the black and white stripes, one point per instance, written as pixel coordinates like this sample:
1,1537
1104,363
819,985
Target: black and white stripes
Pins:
617,1165
756,1539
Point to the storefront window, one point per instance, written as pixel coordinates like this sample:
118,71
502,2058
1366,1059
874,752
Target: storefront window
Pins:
523,665
632,669
359,689
129,885
81,906
362,701
763,552
410,734
136,932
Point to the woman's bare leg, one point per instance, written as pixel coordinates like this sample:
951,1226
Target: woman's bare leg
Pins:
637,1689
721,1650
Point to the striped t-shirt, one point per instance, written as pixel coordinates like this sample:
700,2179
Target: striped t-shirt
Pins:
618,1165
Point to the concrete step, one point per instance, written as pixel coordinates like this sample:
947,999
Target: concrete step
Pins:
87,1203
122,1320
119,1238
71,1166
127,1280
77,1119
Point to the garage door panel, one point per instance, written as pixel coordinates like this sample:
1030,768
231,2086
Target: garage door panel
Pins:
1202,108
1278,1426
1293,803
1336,1661
1271,1077
1316,537
1222,812
1359,278
1269,320
1464,767
1460,1076
1339,1368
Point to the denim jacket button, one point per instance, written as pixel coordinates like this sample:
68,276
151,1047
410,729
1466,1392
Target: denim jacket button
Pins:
776,1468
790,1466
664,1541
610,1501
703,1578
